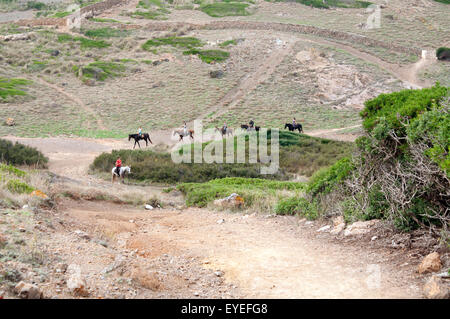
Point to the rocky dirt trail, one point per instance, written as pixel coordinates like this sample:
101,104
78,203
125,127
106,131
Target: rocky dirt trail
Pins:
190,252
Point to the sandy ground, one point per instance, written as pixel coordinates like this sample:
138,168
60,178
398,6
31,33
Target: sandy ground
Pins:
213,254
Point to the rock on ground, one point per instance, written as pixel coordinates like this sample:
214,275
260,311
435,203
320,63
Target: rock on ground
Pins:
431,263
76,282
28,291
360,228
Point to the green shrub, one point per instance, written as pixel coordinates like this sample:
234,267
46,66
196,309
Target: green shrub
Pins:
11,170
298,206
433,129
12,87
443,1
224,9
148,166
418,213
151,15
104,20
85,43
326,179
227,43
255,191
19,154
61,14
393,108
105,33
209,56
19,187
36,5
181,42
101,70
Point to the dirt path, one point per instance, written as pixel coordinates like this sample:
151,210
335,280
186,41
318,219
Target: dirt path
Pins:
255,256
249,82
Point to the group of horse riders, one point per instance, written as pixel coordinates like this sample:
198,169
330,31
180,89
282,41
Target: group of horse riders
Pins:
251,126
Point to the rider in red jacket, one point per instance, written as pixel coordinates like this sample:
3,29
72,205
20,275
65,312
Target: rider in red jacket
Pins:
118,165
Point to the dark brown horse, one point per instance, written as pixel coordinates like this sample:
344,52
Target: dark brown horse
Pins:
137,138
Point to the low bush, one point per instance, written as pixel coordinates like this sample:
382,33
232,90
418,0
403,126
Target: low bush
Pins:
105,33
19,187
256,192
297,206
10,169
101,70
299,154
148,166
10,87
85,43
36,5
19,154
151,15
209,56
224,9
326,179
179,42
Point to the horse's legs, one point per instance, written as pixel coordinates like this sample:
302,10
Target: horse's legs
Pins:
139,144
134,144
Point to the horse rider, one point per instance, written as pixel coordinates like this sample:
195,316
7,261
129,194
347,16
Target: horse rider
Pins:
224,128
118,165
294,124
140,132
251,123
185,128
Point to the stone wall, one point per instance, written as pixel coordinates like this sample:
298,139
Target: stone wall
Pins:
284,27
42,21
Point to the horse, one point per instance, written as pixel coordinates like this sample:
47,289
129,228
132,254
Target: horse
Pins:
292,128
248,128
137,138
228,132
123,170
182,134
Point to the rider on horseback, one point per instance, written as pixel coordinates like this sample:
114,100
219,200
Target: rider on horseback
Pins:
224,128
251,123
140,131
185,128
294,124
118,165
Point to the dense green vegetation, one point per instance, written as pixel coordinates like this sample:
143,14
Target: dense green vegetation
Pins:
19,187
209,56
105,33
255,191
158,14
443,51
227,43
19,154
443,1
148,166
180,42
400,171
85,43
101,70
224,9
299,154
12,87
105,20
